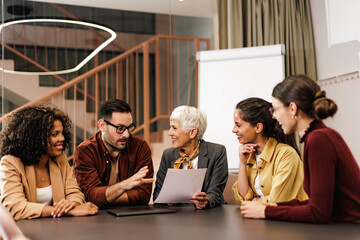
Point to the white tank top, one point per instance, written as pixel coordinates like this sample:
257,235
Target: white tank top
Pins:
44,195
257,183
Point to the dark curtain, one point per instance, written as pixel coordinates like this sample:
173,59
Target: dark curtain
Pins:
248,23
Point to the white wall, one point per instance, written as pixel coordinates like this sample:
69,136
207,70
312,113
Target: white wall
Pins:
343,90
21,88
334,57
337,58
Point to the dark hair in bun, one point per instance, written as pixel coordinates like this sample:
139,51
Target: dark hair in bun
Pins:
307,95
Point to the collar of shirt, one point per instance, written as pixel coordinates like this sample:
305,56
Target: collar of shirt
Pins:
267,152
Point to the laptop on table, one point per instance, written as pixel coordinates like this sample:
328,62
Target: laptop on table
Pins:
139,210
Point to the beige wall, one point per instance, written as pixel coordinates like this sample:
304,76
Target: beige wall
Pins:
337,59
338,74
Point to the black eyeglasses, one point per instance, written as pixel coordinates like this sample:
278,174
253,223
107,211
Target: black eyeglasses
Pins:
120,129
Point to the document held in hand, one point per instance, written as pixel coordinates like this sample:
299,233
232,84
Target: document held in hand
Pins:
180,185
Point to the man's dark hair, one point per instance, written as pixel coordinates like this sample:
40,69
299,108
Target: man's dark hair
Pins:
113,105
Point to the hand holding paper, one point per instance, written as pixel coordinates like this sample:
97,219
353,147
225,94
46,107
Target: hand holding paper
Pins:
200,200
181,185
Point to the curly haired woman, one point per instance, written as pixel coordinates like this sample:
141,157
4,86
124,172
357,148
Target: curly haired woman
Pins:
35,178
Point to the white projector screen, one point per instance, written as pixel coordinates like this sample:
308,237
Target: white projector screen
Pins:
229,76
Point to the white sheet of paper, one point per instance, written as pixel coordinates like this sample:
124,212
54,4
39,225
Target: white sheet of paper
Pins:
180,185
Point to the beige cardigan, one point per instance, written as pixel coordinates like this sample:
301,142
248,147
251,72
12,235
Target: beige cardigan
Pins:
18,186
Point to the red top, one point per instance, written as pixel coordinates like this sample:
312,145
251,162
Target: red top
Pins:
331,180
92,165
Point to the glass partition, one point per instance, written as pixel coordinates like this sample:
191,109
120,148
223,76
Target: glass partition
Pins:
151,64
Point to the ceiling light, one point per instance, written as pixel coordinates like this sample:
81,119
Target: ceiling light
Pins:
82,63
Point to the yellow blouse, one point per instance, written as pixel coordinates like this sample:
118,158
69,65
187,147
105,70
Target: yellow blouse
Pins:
281,174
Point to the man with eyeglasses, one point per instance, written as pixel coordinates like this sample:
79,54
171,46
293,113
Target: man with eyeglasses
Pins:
114,167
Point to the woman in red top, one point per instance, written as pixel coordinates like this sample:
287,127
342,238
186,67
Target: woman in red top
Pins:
331,174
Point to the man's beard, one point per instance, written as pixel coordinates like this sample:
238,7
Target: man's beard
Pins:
112,145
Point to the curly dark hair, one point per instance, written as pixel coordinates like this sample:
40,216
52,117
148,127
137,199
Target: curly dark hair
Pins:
28,130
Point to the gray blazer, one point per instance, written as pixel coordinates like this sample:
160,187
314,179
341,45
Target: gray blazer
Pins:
211,156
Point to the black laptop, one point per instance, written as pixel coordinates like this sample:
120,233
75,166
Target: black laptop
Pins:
139,210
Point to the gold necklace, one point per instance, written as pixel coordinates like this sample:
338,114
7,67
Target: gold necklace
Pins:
42,178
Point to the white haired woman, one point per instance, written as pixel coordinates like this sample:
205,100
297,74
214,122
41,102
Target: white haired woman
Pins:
187,127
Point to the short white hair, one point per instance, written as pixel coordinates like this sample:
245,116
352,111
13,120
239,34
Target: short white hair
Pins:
190,117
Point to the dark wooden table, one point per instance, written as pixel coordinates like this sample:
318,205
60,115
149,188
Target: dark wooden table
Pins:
220,223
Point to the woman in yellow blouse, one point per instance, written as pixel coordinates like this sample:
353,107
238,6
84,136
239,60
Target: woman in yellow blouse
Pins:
35,178
269,169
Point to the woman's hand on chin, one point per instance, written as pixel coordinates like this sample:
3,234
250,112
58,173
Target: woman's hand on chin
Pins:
245,150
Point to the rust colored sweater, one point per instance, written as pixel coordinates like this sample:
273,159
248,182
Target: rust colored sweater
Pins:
331,180
92,165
